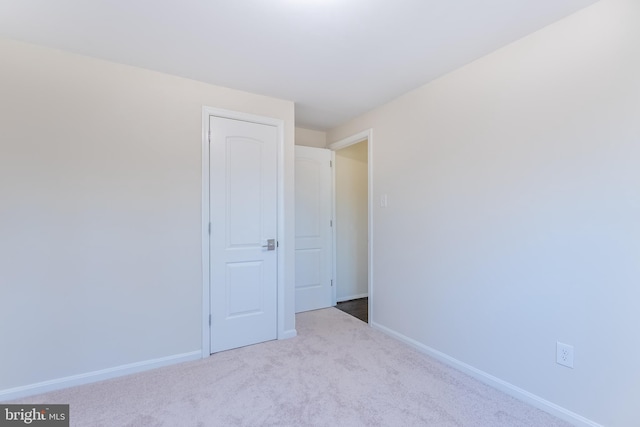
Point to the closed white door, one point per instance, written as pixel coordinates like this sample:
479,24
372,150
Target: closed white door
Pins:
243,251
314,247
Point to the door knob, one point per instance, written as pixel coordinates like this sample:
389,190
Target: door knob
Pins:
271,245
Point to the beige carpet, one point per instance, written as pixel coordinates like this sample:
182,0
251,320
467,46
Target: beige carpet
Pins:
337,372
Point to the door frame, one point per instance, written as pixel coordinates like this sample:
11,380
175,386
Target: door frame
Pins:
365,135
206,261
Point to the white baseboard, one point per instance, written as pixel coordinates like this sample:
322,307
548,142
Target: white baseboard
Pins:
349,298
288,334
494,382
90,377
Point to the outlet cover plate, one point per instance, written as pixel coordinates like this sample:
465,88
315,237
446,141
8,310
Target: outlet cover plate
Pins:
564,354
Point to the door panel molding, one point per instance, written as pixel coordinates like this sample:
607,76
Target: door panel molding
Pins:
207,112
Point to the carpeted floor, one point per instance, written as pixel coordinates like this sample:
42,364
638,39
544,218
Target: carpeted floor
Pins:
337,372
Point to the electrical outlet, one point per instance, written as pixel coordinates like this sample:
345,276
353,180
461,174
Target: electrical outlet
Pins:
564,354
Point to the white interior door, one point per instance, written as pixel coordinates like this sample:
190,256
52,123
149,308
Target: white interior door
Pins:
243,215
314,246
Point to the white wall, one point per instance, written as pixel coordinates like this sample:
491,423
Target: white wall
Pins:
100,205
514,212
351,222
311,138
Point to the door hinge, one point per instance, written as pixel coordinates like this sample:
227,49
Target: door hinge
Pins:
209,320
330,223
330,163
209,135
331,282
209,228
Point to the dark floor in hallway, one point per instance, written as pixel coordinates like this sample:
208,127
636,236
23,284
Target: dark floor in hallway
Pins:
357,308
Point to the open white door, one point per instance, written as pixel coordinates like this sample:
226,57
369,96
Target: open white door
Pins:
243,249
314,246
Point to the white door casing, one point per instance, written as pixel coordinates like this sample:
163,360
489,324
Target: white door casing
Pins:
314,237
346,142
243,182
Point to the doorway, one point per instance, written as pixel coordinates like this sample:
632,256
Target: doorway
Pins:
353,229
